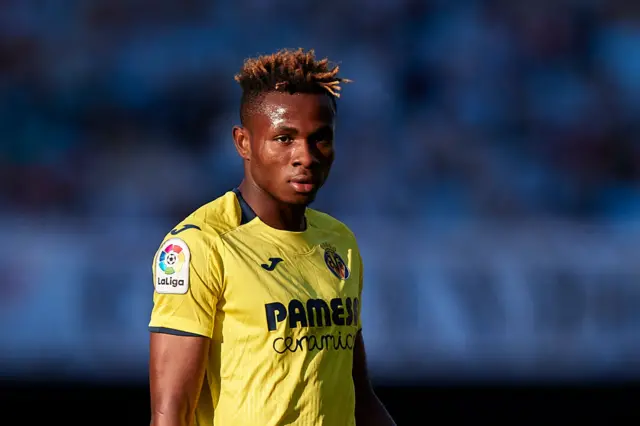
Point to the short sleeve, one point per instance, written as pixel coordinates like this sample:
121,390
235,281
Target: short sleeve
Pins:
187,279
361,282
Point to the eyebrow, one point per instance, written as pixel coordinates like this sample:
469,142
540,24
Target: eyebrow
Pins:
286,129
294,130
324,129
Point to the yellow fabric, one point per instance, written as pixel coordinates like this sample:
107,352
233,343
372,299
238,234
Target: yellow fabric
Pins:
282,330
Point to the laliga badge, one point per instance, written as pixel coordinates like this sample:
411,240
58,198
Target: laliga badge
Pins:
172,267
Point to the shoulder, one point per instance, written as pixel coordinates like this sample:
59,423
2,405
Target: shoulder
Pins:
207,223
329,223
194,242
216,217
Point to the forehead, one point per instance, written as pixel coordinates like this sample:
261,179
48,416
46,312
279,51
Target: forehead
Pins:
303,111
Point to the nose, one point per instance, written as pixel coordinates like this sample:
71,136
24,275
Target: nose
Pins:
304,155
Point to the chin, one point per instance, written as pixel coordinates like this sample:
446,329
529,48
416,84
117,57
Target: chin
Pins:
300,199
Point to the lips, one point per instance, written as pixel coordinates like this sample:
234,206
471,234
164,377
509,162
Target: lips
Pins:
302,179
303,183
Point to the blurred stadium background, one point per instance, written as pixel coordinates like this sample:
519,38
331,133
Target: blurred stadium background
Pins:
488,161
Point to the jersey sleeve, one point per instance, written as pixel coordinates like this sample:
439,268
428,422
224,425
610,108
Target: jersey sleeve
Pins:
187,276
361,282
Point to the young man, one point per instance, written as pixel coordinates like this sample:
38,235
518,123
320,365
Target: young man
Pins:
256,317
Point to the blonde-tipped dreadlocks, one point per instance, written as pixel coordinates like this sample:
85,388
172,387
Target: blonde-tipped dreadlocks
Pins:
292,71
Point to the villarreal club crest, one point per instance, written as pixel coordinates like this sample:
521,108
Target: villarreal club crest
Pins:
334,262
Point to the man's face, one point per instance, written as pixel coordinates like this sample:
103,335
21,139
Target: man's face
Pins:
290,145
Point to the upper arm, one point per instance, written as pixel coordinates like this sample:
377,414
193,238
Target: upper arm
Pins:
176,371
360,371
187,275
187,281
368,410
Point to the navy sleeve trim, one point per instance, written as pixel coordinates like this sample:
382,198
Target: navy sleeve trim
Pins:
173,332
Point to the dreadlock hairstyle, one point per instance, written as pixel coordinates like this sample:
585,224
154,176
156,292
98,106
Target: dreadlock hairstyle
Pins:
290,71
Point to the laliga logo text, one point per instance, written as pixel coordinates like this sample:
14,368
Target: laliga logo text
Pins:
168,281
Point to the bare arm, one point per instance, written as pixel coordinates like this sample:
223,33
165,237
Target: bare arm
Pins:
369,409
176,371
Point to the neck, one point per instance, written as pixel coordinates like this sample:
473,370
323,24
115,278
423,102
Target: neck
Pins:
278,215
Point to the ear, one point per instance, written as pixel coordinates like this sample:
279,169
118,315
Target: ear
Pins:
241,139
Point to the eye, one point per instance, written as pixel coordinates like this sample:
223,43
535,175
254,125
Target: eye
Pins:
283,139
323,137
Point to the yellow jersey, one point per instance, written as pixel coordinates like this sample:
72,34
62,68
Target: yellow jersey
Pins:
281,308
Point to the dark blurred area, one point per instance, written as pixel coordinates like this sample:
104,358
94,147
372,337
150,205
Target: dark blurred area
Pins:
487,160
